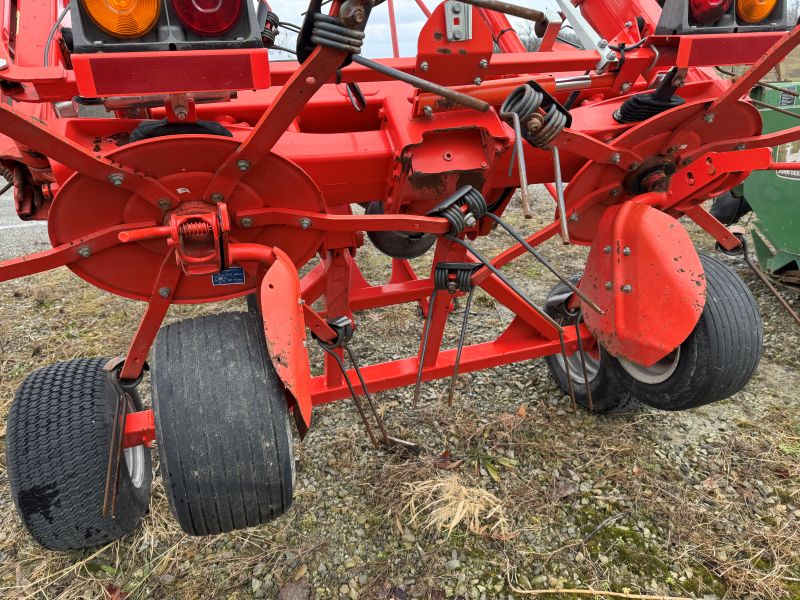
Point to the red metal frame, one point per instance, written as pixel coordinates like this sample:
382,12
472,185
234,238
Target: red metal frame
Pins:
281,191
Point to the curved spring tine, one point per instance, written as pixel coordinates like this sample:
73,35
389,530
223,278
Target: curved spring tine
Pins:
519,154
378,418
567,371
583,362
425,333
461,336
562,209
565,280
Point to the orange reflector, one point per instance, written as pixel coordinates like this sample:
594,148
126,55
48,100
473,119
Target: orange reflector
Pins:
124,18
754,11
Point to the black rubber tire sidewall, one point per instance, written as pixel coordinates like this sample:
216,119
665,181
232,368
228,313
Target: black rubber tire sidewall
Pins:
57,443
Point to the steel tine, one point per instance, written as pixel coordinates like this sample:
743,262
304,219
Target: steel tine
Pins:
461,336
111,447
583,362
565,280
567,371
773,290
424,349
120,453
562,209
505,280
519,153
367,395
353,394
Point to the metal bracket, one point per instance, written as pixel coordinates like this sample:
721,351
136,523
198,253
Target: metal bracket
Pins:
458,20
588,37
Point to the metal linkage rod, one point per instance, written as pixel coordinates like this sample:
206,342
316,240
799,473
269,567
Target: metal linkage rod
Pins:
523,12
423,84
565,280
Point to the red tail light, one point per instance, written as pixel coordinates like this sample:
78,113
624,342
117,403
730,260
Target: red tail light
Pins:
708,12
208,17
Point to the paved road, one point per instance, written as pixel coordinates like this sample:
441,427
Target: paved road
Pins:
19,237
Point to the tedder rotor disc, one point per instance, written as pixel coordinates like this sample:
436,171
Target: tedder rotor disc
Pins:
652,140
185,164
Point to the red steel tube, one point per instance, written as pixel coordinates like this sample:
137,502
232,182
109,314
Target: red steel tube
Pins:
502,32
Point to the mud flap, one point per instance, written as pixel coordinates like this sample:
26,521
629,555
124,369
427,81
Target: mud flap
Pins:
646,275
285,330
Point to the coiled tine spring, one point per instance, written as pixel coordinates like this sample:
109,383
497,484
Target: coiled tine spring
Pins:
519,153
565,280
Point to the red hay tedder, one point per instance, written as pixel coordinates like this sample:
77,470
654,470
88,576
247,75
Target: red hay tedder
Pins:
220,174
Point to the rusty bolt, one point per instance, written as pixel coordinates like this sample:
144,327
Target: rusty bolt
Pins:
626,251
243,165
452,287
353,14
608,285
84,252
484,64
627,288
247,222
607,249
116,179
164,204
424,66
164,292
217,197
305,223
534,124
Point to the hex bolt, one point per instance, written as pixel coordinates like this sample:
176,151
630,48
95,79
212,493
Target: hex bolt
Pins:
424,65
247,222
625,87
164,292
164,204
602,43
611,56
217,197
84,252
607,249
457,35
615,158
608,285
456,8
428,111
116,179
477,81
305,223
452,287
708,117
484,64
243,165
469,219
627,288
626,251
573,217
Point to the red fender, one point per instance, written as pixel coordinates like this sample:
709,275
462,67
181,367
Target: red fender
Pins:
645,273
285,330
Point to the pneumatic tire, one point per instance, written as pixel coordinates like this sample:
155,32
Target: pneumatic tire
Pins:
57,445
716,361
224,439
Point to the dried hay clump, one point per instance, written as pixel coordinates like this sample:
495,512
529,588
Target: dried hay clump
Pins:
445,502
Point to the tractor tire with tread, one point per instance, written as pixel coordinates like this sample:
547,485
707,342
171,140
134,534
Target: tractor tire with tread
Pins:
222,424
57,443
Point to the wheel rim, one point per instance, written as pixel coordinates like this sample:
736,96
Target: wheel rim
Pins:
135,462
657,373
576,366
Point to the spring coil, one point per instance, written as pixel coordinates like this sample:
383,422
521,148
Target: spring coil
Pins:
329,31
270,29
456,218
194,229
462,281
526,102
476,203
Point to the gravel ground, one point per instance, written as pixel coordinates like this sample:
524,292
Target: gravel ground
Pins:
697,504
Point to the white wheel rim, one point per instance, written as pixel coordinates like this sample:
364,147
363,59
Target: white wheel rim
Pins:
134,461
657,373
576,367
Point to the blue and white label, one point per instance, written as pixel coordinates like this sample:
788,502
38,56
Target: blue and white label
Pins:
232,276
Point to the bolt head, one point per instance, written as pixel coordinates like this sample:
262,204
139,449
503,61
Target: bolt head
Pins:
740,146
243,165
573,217
3,64
615,192
164,204
427,111
607,249
452,287
633,166
164,292
456,8
469,219
84,252
181,115
608,285
217,197
626,251
708,117
611,56
627,288
625,87
615,158
305,223
424,65
247,222
477,81
457,35
116,179
484,64
602,43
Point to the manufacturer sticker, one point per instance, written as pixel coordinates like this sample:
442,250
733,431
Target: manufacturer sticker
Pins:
232,276
786,99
